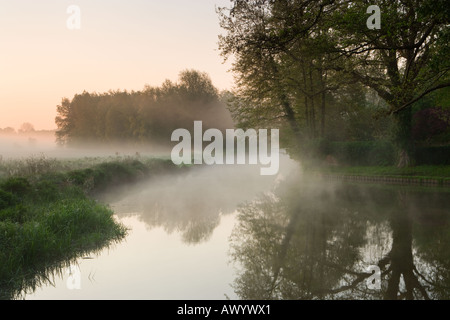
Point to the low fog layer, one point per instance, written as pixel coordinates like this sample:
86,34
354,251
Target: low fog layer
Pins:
193,203
32,145
190,203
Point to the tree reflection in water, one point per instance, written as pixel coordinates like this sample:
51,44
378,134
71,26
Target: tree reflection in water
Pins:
310,240
191,204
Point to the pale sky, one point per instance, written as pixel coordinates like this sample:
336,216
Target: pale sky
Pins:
121,44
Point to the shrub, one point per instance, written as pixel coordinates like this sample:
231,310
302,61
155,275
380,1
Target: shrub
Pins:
17,186
79,177
433,155
358,153
430,123
16,214
46,190
7,199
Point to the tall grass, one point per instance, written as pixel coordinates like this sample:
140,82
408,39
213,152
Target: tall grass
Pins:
41,164
48,236
48,218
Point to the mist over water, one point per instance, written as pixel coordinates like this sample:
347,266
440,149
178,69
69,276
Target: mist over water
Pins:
33,145
194,202
178,241
162,158
209,231
16,146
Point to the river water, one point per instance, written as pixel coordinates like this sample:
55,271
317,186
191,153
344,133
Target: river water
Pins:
227,232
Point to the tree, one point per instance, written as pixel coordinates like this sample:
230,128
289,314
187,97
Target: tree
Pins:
26,127
64,122
276,75
197,86
403,61
147,116
7,130
288,51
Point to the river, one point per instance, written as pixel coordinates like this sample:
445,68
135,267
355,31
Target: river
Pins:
227,232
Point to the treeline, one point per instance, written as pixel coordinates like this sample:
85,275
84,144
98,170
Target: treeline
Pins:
316,70
25,129
147,116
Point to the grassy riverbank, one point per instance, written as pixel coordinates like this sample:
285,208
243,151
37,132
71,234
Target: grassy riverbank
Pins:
418,171
49,219
417,174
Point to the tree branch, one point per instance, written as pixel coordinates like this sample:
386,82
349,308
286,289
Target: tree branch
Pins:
406,105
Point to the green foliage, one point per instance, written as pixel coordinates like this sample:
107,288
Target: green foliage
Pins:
147,116
35,238
39,165
433,155
6,199
16,214
111,173
79,177
366,153
417,174
357,153
18,186
49,220
46,190
297,63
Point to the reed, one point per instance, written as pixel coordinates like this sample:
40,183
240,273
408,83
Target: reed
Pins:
48,217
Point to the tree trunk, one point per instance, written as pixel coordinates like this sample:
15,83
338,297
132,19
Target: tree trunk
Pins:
323,79
313,111
322,122
290,116
403,138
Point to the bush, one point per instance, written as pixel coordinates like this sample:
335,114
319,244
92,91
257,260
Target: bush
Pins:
16,214
7,199
46,190
79,177
376,153
17,186
431,124
358,153
433,155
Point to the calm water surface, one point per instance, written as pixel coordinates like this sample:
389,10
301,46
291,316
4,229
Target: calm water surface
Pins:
227,232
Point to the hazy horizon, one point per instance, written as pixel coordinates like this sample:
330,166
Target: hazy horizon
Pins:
119,46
